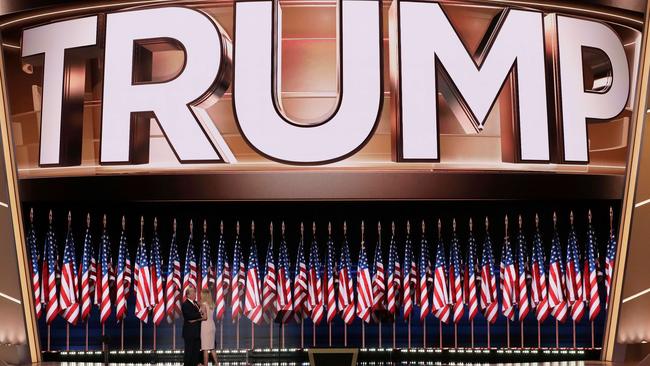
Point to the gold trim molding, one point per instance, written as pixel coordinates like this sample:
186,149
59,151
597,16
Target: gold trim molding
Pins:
627,211
17,224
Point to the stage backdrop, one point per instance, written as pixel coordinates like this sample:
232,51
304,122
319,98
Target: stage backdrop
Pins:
345,110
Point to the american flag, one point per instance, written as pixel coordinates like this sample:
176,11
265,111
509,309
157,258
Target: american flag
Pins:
346,286
206,261
102,292
121,283
238,280
221,285
610,257
425,273
508,278
285,305
84,273
315,284
138,252
44,273
128,274
93,263
556,298
455,280
173,282
189,271
488,303
111,268
440,294
69,296
591,288
470,276
394,275
414,275
35,261
330,275
96,273
364,293
252,304
157,278
378,280
539,293
269,291
410,275
143,289
300,306
52,302
522,287
575,294
227,271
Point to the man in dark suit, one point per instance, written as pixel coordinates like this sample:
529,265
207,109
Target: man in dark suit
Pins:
191,329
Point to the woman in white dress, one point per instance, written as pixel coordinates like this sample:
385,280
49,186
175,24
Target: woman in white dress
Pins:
207,327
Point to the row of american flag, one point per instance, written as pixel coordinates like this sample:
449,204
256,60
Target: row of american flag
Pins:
451,284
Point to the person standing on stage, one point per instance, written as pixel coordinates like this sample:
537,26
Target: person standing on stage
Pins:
192,318
208,328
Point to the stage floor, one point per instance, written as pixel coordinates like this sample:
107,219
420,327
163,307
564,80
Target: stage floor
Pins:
364,356
405,363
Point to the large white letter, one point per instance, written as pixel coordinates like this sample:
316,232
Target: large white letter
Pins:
174,103
52,40
426,42
574,103
256,96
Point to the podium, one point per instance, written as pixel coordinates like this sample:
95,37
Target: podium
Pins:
333,356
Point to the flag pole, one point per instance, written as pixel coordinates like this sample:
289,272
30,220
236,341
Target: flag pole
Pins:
238,333
329,333
379,333
302,332
270,320
86,349
440,331
282,334
557,335
574,333
48,338
409,333
539,335
103,334
221,334
521,319
154,336
507,332
472,331
455,335
394,320
172,317
252,335
122,335
424,333
593,343
174,335
488,334
140,335
363,334
67,336
507,318
313,334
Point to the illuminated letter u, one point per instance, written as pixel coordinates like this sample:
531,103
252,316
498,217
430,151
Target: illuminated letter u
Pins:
257,80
